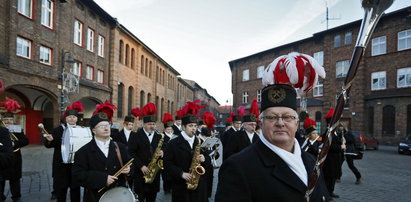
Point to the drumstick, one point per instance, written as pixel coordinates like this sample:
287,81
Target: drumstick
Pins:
41,126
119,171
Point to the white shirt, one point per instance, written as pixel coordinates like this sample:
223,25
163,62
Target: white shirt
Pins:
149,135
190,140
169,135
103,146
293,160
234,128
127,133
250,136
179,127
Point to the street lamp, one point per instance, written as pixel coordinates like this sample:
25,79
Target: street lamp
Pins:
69,60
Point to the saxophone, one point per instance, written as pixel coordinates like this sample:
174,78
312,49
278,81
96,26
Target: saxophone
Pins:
155,164
196,170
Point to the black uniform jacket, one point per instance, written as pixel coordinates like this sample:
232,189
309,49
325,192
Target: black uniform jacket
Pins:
238,141
332,164
142,150
258,174
6,149
313,148
177,159
14,171
121,137
91,168
176,130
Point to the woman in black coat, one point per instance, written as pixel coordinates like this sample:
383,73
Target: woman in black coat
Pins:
350,152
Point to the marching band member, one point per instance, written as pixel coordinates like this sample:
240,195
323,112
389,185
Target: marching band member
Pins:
312,143
142,147
96,162
18,140
62,171
200,125
244,138
168,135
237,119
6,150
177,123
181,157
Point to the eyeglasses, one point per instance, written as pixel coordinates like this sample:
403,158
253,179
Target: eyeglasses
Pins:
103,126
285,118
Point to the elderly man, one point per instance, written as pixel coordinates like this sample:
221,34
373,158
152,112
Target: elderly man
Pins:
274,168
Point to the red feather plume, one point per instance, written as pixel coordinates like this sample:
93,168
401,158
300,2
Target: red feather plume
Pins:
179,113
167,118
77,106
254,108
11,105
241,111
230,118
330,113
192,108
106,108
309,122
149,109
209,119
135,112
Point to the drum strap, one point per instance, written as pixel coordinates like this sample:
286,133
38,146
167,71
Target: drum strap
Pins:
120,160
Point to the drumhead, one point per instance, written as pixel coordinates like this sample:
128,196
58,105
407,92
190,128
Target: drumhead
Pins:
122,194
73,139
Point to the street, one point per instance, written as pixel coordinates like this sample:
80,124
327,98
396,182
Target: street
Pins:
386,177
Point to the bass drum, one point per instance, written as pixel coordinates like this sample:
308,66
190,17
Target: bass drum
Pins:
120,194
73,139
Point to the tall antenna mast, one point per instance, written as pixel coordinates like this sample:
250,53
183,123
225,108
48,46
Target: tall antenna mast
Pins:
326,15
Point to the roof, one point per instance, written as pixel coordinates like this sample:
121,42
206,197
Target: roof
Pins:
98,10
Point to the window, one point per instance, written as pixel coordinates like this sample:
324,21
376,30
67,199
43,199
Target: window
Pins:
404,40
337,41
101,41
379,46
246,75
132,58
45,55
76,70
348,38
378,80
24,7
90,39
120,53
319,57
258,95
404,77
47,13
78,33
245,97
342,68
318,89
120,100
260,71
100,76
127,55
23,48
89,72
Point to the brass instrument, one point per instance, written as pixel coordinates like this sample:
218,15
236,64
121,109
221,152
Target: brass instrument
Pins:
119,171
12,136
196,170
155,164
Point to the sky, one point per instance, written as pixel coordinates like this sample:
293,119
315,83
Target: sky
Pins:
199,37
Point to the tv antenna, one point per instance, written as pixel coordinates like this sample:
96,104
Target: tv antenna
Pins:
326,15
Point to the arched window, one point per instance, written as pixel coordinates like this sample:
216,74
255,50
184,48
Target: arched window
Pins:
130,99
370,120
146,68
161,76
142,65
158,107
120,54
127,54
388,120
168,106
132,58
408,120
150,70
172,107
141,99
157,75
164,77
120,100
148,97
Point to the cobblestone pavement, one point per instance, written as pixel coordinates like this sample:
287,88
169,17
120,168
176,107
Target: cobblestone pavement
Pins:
386,177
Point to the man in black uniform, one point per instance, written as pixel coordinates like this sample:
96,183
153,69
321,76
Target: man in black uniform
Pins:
177,123
6,153
96,162
312,144
274,168
13,173
168,135
62,171
178,160
142,147
225,137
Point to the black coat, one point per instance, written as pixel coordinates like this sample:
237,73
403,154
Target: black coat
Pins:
121,137
6,149
350,142
15,169
313,149
176,131
332,164
91,169
225,138
237,142
209,168
177,159
258,174
142,151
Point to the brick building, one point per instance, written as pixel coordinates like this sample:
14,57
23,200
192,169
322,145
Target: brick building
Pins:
380,99
206,99
37,37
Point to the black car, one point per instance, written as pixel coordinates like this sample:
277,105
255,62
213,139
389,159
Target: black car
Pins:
405,145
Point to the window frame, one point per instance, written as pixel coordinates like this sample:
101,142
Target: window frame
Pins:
317,86
260,71
87,72
346,67
248,75
407,71
50,54
406,38
30,9
49,11
316,57
90,39
77,32
101,46
80,66
102,76
259,93
337,43
375,44
30,47
349,33
378,76
245,97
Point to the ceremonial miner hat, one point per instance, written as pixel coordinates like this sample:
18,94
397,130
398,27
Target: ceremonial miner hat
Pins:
168,120
254,113
106,108
97,118
190,112
148,113
129,119
309,125
135,112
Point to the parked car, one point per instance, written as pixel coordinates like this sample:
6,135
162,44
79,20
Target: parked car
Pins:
363,142
404,146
